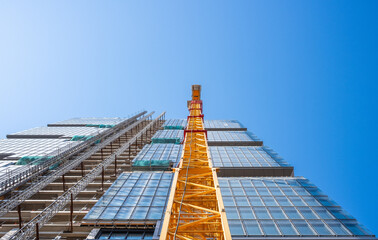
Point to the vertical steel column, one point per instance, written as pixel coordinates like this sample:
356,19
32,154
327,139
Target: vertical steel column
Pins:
102,178
37,231
19,216
82,169
64,183
71,213
115,165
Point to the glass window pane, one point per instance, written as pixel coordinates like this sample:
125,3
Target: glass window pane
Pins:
283,201
311,201
355,228
325,201
286,228
269,228
148,236
226,191
303,228
291,213
155,213
337,228
140,213
261,213
246,213
238,191
252,228
135,236
228,201
307,213
118,235
136,191
241,201
145,201
109,213
117,201
236,228
297,201
104,235
276,213
162,191
320,228
131,201
232,213
339,213
255,201
250,192
124,213
94,213
269,201
159,201
263,191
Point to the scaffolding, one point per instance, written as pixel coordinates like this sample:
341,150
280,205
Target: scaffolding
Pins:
24,174
195,208
32,228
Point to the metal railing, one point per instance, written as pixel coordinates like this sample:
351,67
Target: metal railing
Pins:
14,201
29,230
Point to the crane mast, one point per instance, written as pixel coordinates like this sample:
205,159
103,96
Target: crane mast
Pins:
195,208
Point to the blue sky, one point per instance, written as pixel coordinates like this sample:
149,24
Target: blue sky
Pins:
302,75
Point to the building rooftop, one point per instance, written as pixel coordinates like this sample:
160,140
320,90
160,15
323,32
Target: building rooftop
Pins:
87,121
15,148
57,132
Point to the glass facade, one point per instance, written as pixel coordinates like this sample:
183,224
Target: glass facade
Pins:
134,196
245,156
231,136
86,121
168,136
290,206
175,124
208,124
65,132
256,207
13,149
222,124
157,155
124,234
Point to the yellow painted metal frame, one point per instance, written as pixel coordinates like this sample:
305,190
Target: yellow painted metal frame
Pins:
195,208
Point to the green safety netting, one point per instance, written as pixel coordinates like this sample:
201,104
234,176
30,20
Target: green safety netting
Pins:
80,138
151,164
174,127
33,160
36,160
100,125
54,166
166,140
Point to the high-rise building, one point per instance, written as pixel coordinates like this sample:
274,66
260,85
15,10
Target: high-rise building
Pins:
144,177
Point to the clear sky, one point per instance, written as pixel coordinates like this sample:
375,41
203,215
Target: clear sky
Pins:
302,75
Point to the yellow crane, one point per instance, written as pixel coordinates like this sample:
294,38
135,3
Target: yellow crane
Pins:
195,208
